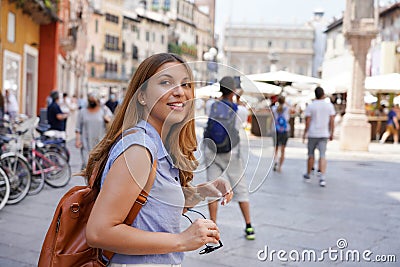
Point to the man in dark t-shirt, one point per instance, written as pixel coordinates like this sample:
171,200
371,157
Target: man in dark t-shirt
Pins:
112,103
55,117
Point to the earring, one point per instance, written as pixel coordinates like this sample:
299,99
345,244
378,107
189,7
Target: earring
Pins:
142,102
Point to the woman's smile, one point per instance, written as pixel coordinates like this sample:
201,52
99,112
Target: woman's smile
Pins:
176,106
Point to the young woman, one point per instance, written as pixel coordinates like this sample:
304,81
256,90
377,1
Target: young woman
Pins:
281,116
159,108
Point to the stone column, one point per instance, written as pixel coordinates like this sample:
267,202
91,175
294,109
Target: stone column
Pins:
359,28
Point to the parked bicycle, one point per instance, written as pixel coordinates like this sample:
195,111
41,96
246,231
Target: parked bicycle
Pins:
4,188
47,166
51,140
17,170
44,166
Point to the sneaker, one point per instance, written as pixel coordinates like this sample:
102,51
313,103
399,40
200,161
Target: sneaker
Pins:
275,166
322,183
306,177
250,235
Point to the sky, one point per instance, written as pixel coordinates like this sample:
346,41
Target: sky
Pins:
275,11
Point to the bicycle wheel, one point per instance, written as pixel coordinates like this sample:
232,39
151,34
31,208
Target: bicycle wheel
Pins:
38,179
37,182
58,148
19,175
57,169
4,188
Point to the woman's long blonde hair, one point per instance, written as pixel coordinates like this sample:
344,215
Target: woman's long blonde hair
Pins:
181,141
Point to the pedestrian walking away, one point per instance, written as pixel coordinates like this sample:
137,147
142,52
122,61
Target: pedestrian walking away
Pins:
222,150
153,124
282,127
392,127
319,128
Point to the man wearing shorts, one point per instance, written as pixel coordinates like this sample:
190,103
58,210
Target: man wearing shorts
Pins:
230,163
319,128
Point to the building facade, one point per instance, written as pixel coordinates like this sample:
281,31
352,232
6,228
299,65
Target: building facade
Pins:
262,48
123,33
73,37
78,46
383,57
337,67
22,51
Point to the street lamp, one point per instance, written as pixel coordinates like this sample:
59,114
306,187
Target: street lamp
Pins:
211,56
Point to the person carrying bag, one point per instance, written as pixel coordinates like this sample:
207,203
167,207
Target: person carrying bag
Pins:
65,242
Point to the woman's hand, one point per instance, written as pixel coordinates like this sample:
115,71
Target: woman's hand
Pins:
199,233
216,189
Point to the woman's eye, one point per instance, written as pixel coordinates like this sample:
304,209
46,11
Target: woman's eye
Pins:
165,83
188,85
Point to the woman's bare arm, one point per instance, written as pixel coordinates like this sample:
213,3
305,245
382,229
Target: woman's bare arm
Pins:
124,182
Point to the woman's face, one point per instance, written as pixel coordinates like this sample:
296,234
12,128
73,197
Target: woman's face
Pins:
166,97
92,102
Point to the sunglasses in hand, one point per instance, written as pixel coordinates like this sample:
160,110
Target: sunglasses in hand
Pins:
208,248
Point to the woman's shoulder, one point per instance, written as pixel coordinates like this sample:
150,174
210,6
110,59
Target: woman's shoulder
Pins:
132,137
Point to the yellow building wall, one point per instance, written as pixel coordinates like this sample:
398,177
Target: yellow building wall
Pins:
26,32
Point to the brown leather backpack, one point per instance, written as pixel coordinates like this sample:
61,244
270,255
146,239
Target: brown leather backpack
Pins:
65,242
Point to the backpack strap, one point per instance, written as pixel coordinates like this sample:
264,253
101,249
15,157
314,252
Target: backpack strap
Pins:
232,105
105,256
139,203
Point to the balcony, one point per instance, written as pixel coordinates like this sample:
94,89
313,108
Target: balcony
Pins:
111,48
41,11
68,43
96,59
184,49
115,76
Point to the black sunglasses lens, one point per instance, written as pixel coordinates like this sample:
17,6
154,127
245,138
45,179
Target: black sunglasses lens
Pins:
209,249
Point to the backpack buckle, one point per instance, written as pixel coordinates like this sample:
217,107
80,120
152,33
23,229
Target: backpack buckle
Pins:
141,199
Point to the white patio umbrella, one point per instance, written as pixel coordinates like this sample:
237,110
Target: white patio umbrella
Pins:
207,91
283,78
396,100
369,98
259,88
386,83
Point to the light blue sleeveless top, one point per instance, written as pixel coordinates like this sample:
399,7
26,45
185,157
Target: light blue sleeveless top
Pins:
163,210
